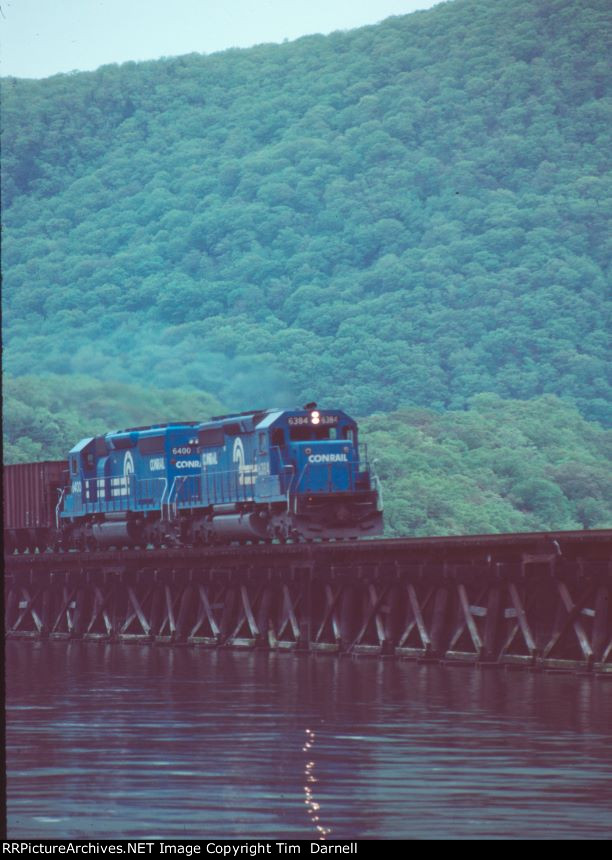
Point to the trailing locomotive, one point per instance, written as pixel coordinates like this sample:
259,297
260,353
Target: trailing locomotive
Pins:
252,476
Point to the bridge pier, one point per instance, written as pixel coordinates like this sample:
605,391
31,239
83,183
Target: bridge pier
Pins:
504,600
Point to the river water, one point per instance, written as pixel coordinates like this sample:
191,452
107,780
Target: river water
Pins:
139,741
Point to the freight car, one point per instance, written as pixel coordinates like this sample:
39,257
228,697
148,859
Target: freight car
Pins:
252,476
30,496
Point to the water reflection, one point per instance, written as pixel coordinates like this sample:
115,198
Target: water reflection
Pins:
310,780
143,741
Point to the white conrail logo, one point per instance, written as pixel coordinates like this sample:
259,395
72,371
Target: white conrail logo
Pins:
128,465
328,458
121,486
246,471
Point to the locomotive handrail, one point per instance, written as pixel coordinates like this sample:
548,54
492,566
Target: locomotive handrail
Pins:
169,502
62,493
292,467
161,501
379,492
218,487
299,481
99,496
173,501
282,468
150,482
190,492
141,496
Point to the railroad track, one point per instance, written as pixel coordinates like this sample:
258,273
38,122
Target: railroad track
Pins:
536,600
594,543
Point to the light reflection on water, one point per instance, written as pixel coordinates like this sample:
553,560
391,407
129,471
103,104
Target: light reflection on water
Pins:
151,742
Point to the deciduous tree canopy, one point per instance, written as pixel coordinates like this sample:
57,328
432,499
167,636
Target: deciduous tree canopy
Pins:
436,183
396,219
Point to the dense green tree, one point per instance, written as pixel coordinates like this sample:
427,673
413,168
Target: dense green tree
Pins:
500,466
408,213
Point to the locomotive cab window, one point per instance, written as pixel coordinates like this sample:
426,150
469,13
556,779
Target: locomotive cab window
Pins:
323,433
300,434
73,466
347,433
306,433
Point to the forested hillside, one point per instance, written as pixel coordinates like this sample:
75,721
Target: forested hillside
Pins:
407,221
499,466
405,214
44,417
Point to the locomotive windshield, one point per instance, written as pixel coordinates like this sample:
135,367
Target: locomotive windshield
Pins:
314,426
306,434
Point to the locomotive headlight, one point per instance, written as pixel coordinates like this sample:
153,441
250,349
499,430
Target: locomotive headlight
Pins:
315,417
308,451
346,449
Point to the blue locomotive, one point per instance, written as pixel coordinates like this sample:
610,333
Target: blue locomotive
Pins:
252,476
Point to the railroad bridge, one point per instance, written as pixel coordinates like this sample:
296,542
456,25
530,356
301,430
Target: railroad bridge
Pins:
539,600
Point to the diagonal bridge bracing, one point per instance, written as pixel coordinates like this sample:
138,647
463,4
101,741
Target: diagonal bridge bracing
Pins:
538,601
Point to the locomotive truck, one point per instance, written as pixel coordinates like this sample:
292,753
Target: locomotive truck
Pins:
297,474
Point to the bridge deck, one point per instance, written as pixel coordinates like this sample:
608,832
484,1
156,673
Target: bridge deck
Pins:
537,600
